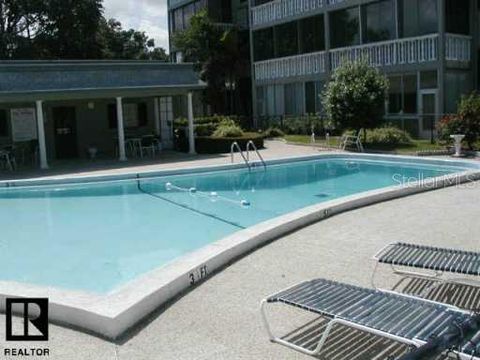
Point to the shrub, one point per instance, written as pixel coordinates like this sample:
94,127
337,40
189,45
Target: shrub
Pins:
228,129
205,129
467,122
388,136
273,132
355,97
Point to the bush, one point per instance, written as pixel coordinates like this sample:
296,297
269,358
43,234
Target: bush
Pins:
298,125
273,132
355,97
467,122
228,129
205,129
388,136
219,145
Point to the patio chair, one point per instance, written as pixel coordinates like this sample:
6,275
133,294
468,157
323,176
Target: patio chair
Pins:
433,263
352,140
403,318
149,145
7,157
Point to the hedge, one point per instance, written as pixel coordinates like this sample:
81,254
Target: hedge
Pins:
211,145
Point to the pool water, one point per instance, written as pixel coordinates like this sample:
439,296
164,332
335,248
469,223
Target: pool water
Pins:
96,237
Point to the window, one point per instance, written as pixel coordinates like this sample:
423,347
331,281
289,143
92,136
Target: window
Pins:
286,39
261,101
311,34
200,5
418,17
220,11
402,94
457,16
395,103
293,99
178,19
428,80
181,16
345,28
458,83
263,44
378,21
410,94
313,101
134,115
188,12
3,123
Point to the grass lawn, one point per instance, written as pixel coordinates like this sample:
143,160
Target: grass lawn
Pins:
417,145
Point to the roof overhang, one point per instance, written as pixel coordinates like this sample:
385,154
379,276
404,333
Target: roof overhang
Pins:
27,81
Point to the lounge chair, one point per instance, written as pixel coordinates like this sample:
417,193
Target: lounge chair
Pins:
434,262
407,319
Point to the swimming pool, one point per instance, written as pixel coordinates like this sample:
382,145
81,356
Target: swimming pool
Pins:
97,238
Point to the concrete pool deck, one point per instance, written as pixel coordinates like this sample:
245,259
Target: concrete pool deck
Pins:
166,160
220,319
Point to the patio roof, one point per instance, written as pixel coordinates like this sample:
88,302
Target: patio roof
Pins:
56,80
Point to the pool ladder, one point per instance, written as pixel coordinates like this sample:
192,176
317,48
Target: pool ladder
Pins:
246,158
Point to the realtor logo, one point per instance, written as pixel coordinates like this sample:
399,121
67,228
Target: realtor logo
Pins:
35,319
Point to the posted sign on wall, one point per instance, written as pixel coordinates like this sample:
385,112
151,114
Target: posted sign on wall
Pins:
24,125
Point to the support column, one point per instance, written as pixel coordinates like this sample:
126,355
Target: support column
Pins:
191,126
156,111
121,134
441,55
41,136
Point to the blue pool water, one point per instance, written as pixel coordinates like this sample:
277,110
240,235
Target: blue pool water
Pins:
96,237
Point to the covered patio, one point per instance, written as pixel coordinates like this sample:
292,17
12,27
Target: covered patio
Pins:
57,111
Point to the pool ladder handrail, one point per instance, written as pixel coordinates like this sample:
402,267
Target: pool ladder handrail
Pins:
252,145
232,154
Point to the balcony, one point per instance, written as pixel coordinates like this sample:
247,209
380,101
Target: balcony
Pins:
388,53
281,9
292,66
458,48
417,50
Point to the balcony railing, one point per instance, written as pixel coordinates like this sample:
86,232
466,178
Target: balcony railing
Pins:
417,50
280,9
387,53
300,65
458,48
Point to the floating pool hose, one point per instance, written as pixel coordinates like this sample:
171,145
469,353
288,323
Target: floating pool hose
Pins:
213,196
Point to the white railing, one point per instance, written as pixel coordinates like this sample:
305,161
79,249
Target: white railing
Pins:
280,9
299,65
387,53
458,47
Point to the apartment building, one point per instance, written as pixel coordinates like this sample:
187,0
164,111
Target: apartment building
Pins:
427,48
227,14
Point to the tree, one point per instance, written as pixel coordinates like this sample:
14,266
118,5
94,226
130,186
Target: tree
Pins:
68,29
19,25
355,97
216,53
128,44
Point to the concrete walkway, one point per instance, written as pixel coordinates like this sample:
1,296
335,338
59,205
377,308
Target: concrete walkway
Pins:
220,319
166,160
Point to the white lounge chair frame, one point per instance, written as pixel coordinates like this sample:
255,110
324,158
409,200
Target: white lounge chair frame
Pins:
429,273
416,342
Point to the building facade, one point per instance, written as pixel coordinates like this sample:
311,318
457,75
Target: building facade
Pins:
226,14
427,48
60,110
